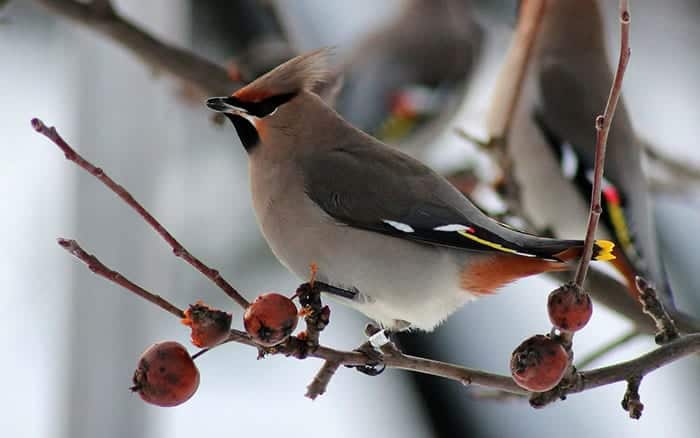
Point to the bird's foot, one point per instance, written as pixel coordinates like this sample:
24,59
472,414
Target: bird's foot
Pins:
379,345
375,360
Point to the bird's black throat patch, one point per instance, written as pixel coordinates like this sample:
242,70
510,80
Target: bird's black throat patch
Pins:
246,131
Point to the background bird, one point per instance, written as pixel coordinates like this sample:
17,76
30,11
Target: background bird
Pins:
566,87
397,72
390,237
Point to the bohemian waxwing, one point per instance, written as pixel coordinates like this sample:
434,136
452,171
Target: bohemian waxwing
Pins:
429,45
567,86
389,236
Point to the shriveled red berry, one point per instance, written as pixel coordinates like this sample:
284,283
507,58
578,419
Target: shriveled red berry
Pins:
166,375
539,363
270,319
209,326
569,309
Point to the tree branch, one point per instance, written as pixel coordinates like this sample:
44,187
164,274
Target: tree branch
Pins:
100,269
208,77
178,249
602,126
641,366
510,80
323,377
295,347
298,348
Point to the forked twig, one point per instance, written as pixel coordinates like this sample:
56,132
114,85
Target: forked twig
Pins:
178,249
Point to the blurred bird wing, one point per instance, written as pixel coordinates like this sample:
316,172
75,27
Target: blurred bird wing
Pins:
379,189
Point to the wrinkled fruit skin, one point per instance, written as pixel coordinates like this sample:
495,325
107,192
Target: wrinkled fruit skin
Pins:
209,326
270,319
166,375
539,363
568,309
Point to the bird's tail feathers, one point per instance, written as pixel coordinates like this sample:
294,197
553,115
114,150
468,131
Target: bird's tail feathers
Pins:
602,252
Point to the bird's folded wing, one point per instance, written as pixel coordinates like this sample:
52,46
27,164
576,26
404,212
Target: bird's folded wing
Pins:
380,189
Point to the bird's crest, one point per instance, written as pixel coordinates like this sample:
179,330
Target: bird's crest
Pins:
304,72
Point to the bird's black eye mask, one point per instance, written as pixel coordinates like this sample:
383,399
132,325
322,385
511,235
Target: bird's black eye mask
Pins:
261,108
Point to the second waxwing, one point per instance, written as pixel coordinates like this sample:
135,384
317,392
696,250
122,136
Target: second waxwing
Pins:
430,44
567,85
388,235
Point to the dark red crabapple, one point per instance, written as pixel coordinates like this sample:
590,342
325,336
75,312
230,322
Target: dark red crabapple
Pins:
539,363
166,375
569,309
270,319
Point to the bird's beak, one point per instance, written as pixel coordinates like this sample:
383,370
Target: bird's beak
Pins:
225,105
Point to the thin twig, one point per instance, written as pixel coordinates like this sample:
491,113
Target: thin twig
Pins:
602,126
631,402
651,305
208,77
178,249
100,269
320,382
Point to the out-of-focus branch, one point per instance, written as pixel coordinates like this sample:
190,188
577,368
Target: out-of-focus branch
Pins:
206,76
681,170
178,249
509,84
607,348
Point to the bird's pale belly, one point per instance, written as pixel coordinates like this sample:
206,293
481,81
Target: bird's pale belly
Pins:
422,289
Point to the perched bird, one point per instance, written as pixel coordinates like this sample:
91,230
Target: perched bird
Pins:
566,87
389,236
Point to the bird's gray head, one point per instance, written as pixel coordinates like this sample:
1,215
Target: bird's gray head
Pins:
252,107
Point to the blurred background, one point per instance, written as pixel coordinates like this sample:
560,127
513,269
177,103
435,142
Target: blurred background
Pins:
71,339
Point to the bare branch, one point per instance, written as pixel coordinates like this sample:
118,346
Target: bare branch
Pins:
100,269
208,77
298,348
641,366
509,84
323,377
178,249
631,401
602,126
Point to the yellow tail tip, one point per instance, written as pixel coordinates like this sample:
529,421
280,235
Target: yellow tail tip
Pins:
604,253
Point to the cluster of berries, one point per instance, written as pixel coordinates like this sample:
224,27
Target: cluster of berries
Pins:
166,374
541,361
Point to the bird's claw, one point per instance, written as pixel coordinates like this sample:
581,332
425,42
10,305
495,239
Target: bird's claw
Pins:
375,364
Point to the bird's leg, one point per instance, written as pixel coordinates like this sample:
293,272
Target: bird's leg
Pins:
379,344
